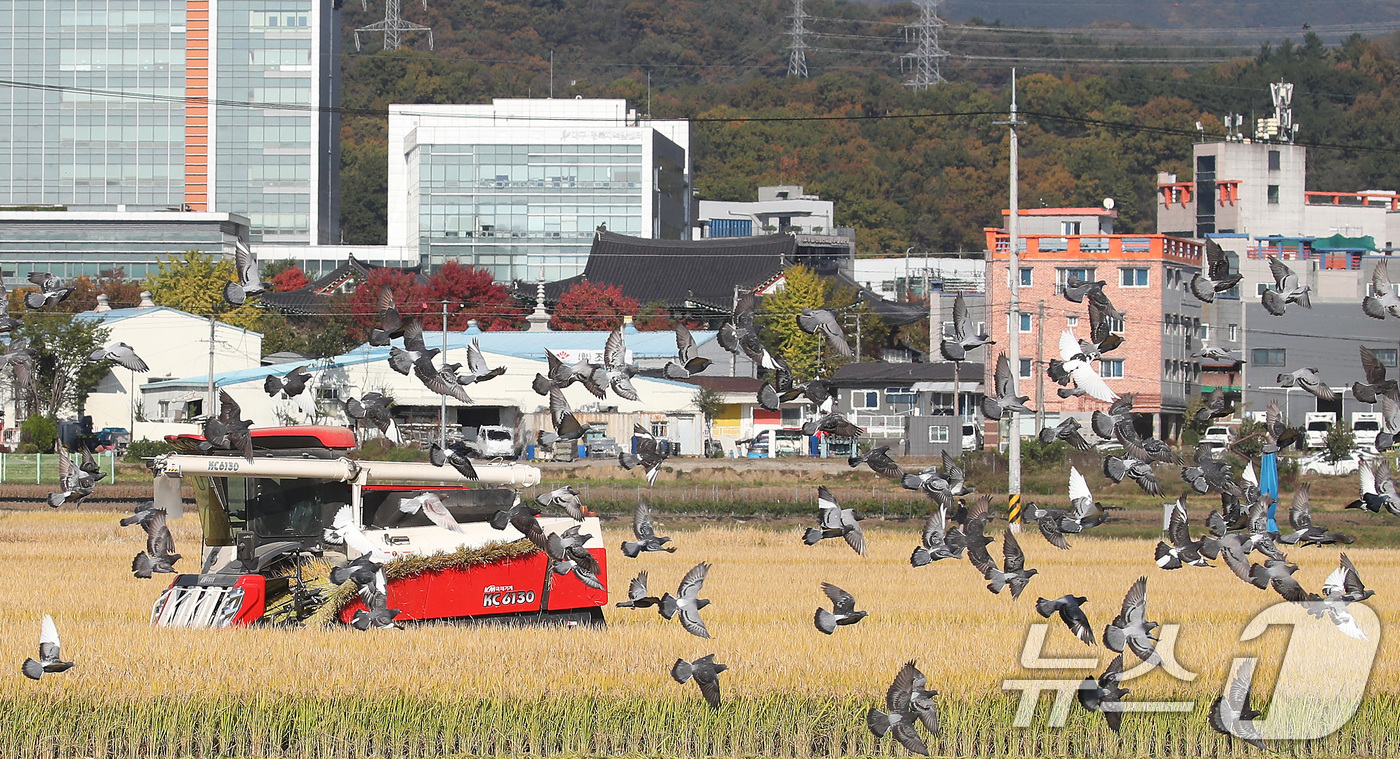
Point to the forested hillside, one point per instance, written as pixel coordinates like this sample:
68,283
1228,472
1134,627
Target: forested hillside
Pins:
905,168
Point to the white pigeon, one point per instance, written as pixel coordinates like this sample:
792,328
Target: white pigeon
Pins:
1081,371
433,508
343,529
1079,491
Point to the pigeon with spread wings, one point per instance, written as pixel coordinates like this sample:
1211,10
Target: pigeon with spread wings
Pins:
835,522
1288,288
688,361
249,283
50,659
1217,277
997,404
687,602
705,671
1074,367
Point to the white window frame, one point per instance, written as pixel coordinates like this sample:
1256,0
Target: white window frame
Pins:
1146,278
1391,352
1027,276
1205,332
948,329
901,391
1026,322
1234,333
934,435
1116,326
864,396
1063,274
1072,320
1071,228
1120,364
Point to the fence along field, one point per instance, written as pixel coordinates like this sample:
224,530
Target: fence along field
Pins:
790,691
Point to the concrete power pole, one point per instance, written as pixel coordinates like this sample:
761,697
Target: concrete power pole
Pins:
797,58
1040,367
393,26
1013,333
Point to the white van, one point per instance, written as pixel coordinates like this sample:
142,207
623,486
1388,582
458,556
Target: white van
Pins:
1366,425
1318,424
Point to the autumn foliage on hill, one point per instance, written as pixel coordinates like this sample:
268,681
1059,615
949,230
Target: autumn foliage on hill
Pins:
591,306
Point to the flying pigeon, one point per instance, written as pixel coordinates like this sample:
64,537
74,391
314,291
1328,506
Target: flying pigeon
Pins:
1287,289
833,424
1310,380
1376,384
345,530
649,455
616,372
1070,613
122,355
566,425
637,597
645,532
7,322
1217,277
456,455
1182,549
1344,587
563,561
1068,431
938,541
373,408
1279,575
705,671
1073,366
964,339
1377,488
1075,288
561,375
813,321
140,513
1116,468
51,291
1230,713
1216,407
433,508
518,515
903,712
835,522
1131,629
1383,301
997,404
441,381
1304,531
687,602
688,362
245,266
50,657
879,461
566,498
1118,417
391,324
1013,572
843,611
477,368
1104,694
414,350
293,383
74,484
1215,353
159,555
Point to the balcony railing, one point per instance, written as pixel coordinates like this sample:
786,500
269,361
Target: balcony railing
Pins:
1382,200
1102,247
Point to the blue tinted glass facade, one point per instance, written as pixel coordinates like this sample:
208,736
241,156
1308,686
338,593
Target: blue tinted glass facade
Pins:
65,144
264,154
514,209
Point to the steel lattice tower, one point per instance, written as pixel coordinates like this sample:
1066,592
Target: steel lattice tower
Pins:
797,59
393,26
927,58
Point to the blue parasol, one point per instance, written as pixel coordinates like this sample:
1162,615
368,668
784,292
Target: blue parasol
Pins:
1268,483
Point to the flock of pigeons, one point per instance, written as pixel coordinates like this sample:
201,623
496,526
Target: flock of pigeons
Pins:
1234,532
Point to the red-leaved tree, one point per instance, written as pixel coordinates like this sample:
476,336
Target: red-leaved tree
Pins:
413,299
591,306
472,293
289,279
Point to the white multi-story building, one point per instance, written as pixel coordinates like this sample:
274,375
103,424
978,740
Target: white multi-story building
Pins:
520,186
784,208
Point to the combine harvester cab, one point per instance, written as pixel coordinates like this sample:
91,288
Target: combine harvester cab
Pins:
265,556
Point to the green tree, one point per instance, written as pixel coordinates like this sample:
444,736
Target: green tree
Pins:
194,282
1340,441
62,376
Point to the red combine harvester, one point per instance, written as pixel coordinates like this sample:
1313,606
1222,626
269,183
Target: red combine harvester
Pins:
264,520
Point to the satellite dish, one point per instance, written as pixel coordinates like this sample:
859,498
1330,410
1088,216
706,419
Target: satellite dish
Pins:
1108,204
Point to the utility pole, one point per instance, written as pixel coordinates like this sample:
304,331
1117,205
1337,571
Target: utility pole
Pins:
1040,367
442,418
210,410
1013,333
797,58
935,326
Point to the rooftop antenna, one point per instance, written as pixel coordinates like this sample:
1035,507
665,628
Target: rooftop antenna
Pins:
927,58
1282,93
797,59
393,26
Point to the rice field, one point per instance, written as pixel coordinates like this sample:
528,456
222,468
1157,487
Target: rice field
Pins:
790,691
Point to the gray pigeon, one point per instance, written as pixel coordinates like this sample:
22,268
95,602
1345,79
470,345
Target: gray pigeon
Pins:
813,321
1217,277
441,381
649,456
457,455
1182,549
1230,714
1377,488
1071,614
688,363
843,611
835,522
1075,288
645,532
637,597
122,355
414,350
1383,301
1376,384
899,720
687,602
705,671
293,383
7,322
74,484
379,619
1278,575
1068,431
51,291
938,542
1119,416
1287,289
997,404
879,461
1131,629
159,555
1013,572
833,424
566,425
1343,587
1309,379
50,656
964,338
1115,469
1103,695
616,372
565,498
1304,531
245,266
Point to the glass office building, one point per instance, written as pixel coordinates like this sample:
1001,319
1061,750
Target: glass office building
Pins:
520,186
63,140
149,105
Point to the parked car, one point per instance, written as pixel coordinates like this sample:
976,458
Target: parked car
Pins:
493,442
1218,435
1317,463
602,447
790,443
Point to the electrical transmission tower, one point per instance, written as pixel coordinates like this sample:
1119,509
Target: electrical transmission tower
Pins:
927,58
797,60
393,26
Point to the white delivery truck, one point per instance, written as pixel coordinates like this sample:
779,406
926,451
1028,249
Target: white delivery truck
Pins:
1318,424
1365,425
